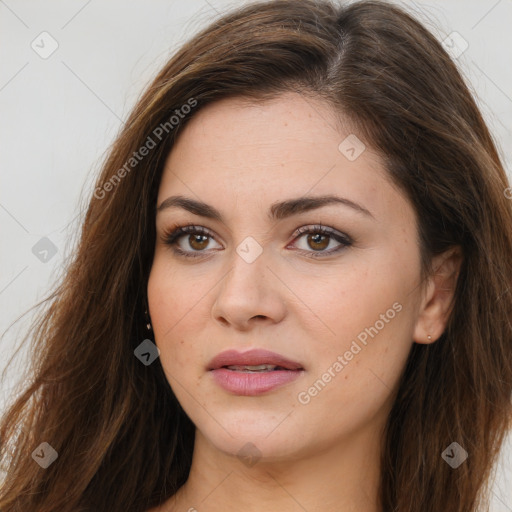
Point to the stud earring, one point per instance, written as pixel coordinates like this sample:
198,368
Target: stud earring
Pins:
148,323
146,316
429,337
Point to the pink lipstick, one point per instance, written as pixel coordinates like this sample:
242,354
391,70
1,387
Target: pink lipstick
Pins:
253,372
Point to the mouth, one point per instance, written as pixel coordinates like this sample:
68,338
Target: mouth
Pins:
254,372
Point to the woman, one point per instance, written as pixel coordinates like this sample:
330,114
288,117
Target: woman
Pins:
292,288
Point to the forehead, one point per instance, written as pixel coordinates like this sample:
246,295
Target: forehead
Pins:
286,128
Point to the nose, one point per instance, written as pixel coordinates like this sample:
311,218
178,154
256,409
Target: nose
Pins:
249,293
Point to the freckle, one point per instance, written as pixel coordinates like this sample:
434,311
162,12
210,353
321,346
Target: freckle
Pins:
346,377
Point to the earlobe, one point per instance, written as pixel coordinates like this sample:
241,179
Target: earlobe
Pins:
438,302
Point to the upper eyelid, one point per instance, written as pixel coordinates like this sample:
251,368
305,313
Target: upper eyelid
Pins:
333,232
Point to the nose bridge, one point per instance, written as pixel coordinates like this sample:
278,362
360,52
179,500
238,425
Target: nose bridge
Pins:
246,290
247,267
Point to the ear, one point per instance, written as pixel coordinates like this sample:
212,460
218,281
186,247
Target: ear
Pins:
436,304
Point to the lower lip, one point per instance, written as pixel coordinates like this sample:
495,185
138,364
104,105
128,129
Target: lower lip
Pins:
255,383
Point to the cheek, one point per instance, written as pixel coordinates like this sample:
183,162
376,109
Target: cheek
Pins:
364,319
355,371
173,303
340,304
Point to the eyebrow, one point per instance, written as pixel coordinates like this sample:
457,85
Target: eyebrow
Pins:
277,211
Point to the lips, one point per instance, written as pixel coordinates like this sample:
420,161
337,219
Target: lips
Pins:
253,373
253,358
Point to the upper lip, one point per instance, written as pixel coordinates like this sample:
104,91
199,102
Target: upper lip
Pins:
252,357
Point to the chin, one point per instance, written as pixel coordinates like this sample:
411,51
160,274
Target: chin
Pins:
259,438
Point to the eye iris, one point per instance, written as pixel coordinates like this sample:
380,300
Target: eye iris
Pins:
196,239
316,240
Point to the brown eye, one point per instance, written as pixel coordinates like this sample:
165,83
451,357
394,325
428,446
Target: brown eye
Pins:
188,241
318,242
198,242
318,238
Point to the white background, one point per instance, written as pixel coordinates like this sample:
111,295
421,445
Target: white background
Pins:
60,114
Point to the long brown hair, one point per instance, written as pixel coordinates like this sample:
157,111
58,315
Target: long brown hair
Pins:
123,441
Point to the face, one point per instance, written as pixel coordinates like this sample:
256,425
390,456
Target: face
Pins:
333,286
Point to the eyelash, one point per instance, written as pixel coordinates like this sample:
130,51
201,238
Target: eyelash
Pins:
171,237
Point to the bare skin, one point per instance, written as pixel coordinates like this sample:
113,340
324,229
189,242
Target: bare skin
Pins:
311,451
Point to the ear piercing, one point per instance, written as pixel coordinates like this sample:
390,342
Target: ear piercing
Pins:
429,337
146,315
148,322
